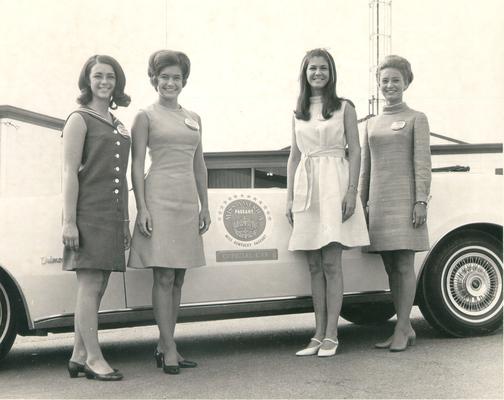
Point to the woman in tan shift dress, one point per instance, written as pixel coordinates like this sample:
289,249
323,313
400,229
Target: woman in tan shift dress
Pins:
172,199
395,186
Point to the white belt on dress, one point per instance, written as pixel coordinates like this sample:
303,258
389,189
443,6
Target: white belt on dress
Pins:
304,184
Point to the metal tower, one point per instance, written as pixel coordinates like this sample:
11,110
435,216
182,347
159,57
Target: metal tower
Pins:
380,44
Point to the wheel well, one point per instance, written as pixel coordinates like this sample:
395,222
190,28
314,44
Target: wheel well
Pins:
490,229
18,304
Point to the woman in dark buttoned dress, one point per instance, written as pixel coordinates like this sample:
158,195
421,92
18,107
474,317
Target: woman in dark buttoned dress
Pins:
395,186
95,204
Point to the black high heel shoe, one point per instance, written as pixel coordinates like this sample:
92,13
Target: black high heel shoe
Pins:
167,369
187,364
74,369
111,376
182,364
159,358
171,369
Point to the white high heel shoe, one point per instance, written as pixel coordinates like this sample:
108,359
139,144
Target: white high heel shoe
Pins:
310,351
328,352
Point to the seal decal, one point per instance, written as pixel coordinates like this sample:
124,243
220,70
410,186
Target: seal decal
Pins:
245,219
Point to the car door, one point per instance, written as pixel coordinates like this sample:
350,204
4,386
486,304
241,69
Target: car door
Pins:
247,257
30,222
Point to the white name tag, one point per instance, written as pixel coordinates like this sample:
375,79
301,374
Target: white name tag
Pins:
191,123
398,125
122,130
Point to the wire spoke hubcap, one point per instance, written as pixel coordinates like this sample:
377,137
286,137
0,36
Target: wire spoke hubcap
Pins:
472,284
4,312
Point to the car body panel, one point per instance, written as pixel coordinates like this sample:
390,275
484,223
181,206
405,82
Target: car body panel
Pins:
246,247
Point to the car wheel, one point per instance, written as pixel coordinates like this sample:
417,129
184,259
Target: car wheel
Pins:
7,321
368,313
461,285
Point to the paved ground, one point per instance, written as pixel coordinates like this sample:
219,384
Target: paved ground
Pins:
254,358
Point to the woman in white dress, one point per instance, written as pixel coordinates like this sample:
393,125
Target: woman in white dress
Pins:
322,191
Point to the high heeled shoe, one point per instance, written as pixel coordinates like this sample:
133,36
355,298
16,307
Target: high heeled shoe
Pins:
310,350
158,356
182,364
167,369
385,344
328,352
187,364
409,342
74,369
111,376
171,369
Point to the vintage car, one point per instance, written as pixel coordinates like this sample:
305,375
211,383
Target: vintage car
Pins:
249,270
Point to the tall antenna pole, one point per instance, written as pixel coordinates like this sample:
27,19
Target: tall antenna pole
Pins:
380,44
166,23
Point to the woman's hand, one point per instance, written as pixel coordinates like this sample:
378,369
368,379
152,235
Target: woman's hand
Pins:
419,214
144,222
348,205
204,220
127,235
288,213
71,236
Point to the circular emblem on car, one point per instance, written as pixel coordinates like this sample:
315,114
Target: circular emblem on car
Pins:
245,219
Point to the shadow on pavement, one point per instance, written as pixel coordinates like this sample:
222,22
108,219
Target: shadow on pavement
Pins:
259,342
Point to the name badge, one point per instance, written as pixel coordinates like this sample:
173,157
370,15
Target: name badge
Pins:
123,131
191,123
398,125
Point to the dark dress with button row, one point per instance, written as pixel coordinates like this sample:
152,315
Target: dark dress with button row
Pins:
102,196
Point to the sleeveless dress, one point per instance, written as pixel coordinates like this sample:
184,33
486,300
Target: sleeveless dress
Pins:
102,197
396,172
320,184
170,193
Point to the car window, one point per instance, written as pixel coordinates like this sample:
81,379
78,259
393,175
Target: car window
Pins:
30,159
271,177
230,178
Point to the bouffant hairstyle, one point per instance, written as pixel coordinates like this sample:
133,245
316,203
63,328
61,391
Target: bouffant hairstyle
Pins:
119,98
330,101
399,63
167,58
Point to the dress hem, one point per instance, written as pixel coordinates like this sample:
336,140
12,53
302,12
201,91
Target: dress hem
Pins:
166,266
94,269
318,247
368,249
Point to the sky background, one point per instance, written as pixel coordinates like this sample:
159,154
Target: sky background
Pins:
246,54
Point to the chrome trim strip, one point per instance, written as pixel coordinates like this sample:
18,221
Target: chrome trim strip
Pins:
264,299
252,300
210,303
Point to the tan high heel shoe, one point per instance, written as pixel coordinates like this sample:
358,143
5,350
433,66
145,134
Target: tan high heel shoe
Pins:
409,342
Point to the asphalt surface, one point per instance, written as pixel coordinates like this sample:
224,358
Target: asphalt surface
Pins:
254,358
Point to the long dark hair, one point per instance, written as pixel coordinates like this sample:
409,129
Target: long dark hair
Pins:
330,100
119,98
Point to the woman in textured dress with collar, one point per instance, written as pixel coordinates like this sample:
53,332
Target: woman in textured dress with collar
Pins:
395,186
95,204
